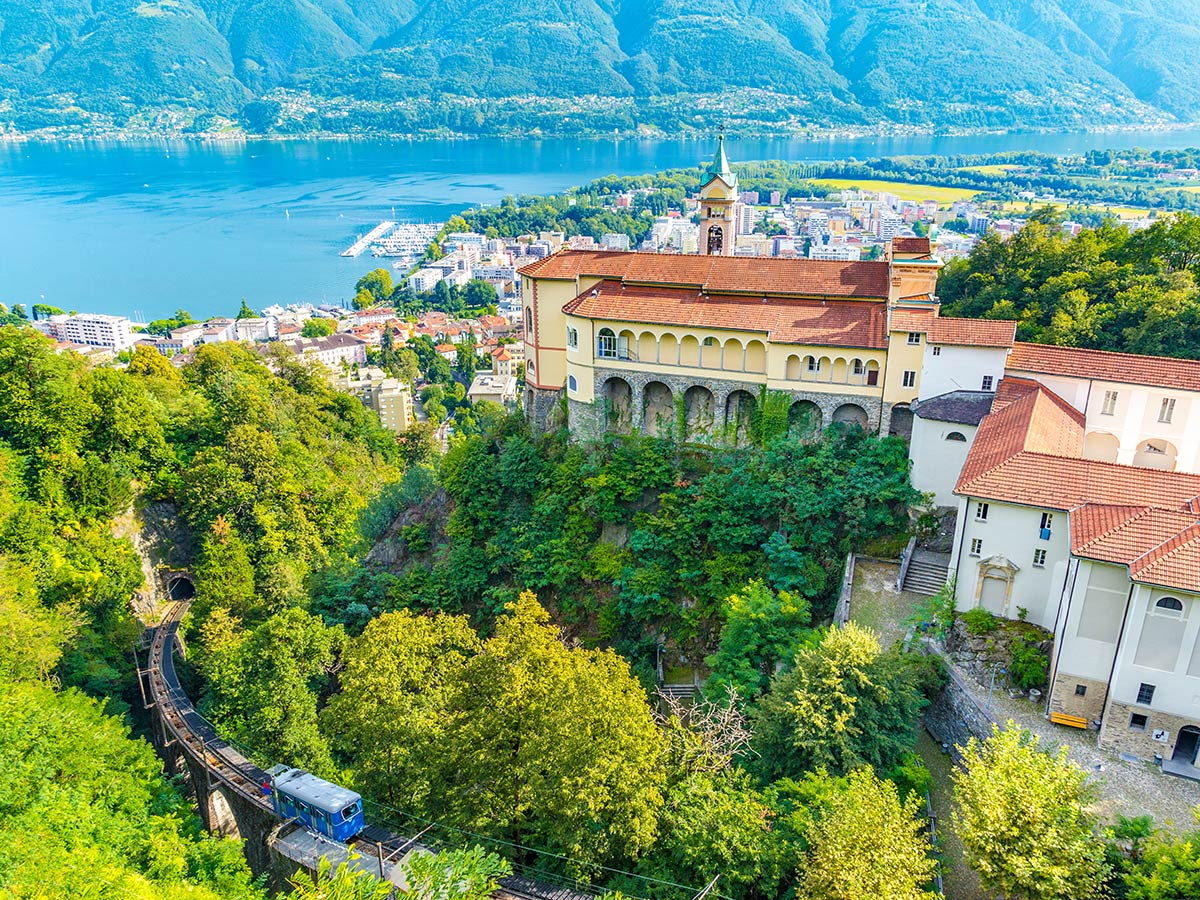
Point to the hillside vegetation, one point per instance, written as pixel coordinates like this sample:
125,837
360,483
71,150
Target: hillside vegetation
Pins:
412,65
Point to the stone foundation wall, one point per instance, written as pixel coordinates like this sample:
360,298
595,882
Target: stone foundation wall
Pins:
1116,735
586,420
541,407
1063,698
955,716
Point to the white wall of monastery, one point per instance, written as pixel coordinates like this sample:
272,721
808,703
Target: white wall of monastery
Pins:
959,369
937,462
1160,648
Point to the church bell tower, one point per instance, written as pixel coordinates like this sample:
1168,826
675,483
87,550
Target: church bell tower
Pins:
718,201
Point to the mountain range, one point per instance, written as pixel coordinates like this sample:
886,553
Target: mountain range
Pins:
1006,63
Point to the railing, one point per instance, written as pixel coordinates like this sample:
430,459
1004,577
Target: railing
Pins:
841,613
905,560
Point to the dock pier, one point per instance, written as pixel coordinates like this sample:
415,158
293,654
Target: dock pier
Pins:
365,240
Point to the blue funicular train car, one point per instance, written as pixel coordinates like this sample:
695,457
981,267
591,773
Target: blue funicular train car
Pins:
323,806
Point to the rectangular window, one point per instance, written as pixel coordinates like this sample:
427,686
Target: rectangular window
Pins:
914,337
1167,411
812,364
1110,403
571,384
910,378
1047,522
988,380
858,367
976,546
1145,693
573,338
981,511
1039,559
1081,690
1137,722
607,345
937,351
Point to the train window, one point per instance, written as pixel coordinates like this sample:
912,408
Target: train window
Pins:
349,811
304,810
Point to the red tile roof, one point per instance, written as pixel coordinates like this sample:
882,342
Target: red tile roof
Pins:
1028,451
1160,546
725,274
1102,365
955,332
917,245
838,323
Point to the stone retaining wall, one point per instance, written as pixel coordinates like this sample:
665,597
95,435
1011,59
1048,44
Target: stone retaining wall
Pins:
955,716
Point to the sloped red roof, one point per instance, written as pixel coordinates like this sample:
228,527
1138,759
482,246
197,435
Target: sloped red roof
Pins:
837,323
725,274
1102,365
1028,450
920,245
955,332
1160,546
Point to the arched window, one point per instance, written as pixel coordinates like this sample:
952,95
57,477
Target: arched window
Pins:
529,321
957,436
716,240
606,344
1169,604
858,367
572,385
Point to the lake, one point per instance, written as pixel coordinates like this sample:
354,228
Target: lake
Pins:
146,228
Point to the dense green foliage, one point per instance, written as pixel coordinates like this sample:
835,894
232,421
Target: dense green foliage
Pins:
404,66
1106,288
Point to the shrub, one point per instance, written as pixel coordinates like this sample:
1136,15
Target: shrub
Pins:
1029,664
979,621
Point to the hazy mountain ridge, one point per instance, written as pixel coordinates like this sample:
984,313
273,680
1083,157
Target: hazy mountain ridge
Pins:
953,62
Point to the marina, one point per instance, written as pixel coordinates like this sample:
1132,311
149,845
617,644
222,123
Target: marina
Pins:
409,240
366,240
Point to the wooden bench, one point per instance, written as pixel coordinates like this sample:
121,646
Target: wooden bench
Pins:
1074,721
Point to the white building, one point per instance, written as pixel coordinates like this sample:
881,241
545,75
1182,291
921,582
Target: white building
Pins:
93,329
334,350
257,329
745,218
842,251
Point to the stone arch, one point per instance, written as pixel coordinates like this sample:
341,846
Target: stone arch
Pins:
739,415
658,410
618,405
792,369
647,347
756,357
699,411
850,415
710,353
804,419
1101,445
733,356
689,351
1156,454
900,422
221,819
668,349
180,587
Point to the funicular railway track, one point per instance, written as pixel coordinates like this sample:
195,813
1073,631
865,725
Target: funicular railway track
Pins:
222,762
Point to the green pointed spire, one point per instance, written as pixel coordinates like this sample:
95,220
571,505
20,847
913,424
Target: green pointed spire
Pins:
720,164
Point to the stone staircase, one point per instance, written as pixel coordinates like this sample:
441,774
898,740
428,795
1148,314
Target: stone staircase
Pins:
926,573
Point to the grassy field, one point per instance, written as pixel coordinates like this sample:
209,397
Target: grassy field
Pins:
918,192
1121,212
989,170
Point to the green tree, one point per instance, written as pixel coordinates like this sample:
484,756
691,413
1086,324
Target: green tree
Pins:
1023,817
479,293
315,327
1168,870
844,704
364,299
762,629
340,883
263,684
246,312
378,283
468,874
224,575
573,725
389,718
865,842
34,635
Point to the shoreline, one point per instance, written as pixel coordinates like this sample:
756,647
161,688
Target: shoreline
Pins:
693,135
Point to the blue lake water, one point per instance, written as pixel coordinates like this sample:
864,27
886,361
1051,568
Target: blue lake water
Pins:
150,227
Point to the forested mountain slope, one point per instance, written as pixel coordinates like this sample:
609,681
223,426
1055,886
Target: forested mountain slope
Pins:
957,62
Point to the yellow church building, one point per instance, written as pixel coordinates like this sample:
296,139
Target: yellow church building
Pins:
687,344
